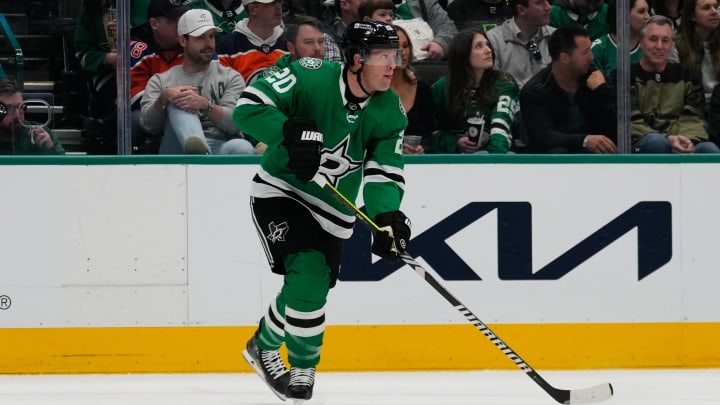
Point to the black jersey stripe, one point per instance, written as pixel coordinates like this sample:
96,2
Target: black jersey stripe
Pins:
305,323
274,319
398,178
252,97
328,216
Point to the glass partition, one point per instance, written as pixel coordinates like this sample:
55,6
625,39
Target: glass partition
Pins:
74,55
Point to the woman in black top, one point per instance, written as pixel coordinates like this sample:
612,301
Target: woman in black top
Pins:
416,98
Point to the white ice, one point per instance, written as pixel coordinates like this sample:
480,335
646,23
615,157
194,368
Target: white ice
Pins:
632,387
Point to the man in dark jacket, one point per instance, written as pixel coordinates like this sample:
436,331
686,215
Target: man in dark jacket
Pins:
568,108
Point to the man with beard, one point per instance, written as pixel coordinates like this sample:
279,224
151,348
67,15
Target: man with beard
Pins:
19,139
567,107
191,104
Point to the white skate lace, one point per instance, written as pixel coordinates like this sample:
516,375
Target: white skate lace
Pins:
273,363
302,376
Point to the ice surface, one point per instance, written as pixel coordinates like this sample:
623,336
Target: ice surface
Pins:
632,387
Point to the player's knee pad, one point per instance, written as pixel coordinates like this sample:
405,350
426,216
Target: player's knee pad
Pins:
307,278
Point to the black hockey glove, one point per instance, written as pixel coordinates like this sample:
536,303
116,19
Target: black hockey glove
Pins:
393,236
304,143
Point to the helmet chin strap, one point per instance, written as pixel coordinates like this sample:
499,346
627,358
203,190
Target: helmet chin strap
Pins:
359,79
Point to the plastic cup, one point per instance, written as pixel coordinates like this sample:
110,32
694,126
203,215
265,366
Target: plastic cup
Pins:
412,140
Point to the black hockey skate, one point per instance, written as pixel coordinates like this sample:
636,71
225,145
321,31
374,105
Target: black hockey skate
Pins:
269,366
301,385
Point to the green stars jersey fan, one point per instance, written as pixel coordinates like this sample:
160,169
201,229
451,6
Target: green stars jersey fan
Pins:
362,142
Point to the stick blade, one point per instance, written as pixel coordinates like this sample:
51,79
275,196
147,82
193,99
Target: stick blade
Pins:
591,395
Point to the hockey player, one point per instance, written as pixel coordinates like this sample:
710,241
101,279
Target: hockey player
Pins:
336,121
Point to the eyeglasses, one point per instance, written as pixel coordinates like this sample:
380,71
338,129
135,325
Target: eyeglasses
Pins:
534,50
13,108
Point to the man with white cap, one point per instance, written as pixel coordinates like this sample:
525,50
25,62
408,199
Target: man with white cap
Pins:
257,41
192,103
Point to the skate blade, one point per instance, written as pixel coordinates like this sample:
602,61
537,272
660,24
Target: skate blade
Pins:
258,371
298,401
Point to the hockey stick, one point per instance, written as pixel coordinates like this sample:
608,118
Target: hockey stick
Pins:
588,395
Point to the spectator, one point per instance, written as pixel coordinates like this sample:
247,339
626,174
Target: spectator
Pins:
192,103
697,43
225,13
257,41
671,9
568,108
416,16
305,39
667,98
416,98
484,14
605,48
346,12
95,35
377,10
520,43
331,50
18,137
591,14
474,90
154,49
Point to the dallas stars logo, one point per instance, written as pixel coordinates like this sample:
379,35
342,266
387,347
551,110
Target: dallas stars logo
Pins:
277,232
310,63
336,163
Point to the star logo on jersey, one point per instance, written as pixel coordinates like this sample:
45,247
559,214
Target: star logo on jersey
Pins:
336,163
271,70
310,63
277,232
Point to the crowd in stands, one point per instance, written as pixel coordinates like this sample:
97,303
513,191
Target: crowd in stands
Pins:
517,76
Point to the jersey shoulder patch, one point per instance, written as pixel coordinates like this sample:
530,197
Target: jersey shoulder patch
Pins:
310,63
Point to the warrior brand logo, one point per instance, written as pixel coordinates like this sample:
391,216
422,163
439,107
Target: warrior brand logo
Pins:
277,232
311,136
651,220
495,340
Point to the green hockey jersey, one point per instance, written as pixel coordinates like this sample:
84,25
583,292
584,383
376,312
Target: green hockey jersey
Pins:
604,50
361,142
595,23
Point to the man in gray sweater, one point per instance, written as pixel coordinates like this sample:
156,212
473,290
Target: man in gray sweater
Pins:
191,104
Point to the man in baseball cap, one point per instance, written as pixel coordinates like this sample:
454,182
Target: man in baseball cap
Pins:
170,9
196,22
191,104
